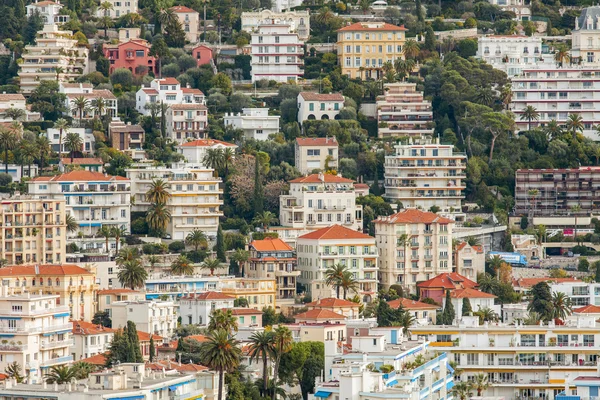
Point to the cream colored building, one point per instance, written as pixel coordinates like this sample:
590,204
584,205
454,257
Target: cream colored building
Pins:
196,196
586,37
313,106
190,21
260,292
119,8
90,339
33,231
298,21
316,153
318,332
402,111
469,261
154,317
16,101
336,244
53,49
320,200
413,246
187,122
195,151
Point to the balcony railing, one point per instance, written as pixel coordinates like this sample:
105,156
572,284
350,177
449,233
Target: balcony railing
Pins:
54,361
58,343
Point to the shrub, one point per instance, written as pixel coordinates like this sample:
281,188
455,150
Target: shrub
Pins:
154,248
5,179
176,247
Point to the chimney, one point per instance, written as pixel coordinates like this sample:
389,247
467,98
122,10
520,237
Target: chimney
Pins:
37,269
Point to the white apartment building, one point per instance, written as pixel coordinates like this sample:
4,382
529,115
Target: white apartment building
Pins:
319,106
91,96
190,21
586,37
510,53
557,93
90,339
167,91
86,135
33,230
17,173
195,199
53,49
94,199
195,151
119,8
469,261
402,111
36,333
187,122
256,123
276,53
521,8
423,173
282,5
320,200
16,101
580,293
298,21
413,246
196,308
48,10
316,153
154,317
318,250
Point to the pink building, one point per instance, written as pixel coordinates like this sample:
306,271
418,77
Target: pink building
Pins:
202,54
133,55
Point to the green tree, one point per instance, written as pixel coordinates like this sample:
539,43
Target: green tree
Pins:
597,271
529,114
269,317
182,266
466,306
211,264
222,82
60,374
264,219
102,318
158,192
134,343
334,276
541,301
152,348
561,306
73,143
117,232
448,314
282,344
158,218
222,319
220,245
174,34
584,264
197,238
8,140
132,274
480,383
72,224
222,354
258,199
429,43
160,50
262,348
15,371
348,283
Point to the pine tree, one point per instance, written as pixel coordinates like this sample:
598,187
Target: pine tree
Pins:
419,10
258,188
376,189
449,313
20,9
429,39
152,349
466,306
220,246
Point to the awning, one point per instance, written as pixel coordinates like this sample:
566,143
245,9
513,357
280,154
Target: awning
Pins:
142,397
322,394
65,314
449,385
10,318
392,383
436,368
175,386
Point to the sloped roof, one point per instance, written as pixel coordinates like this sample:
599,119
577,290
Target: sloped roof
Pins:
183,9
335,232
208,296
589,309
206,143
316,178
188,107
312,96
408,304
98,359
319,314
168,81
322,141
448,280
470,293
82,161
462,245
11,96
87,328
271,244
413,216
145,337
332,302
98,93
372,26
244,311
198,338
80,176
29,270
117,291
529,282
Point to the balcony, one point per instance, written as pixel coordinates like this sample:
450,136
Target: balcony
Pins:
13,347
56,344
56,361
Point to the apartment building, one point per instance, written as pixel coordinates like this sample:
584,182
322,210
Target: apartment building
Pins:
402,111
316,153
256,123
319,106
273,258
196,196
520,361
282,5
424,313
581,293
119,8
196,308
276,53
33,230
363,48
126,137
92,97
85,163
156,317
173,287
348,309
17,101
53,49
469,261
521,8
133,55
479,301
260,292
187,122
48,10
510,53
195,151
190,21
298,21
247,317
317,331
90,339
17,173
437,287
94,199
36,332
166,91
108,296
586,37
320,200
413,246
86,135
336,244
424,173
75,286
557,92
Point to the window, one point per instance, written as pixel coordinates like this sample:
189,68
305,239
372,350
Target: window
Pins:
348,49
139,53
315,152
357,61
311,106
322,106
348,62
171,97
357,49
472,359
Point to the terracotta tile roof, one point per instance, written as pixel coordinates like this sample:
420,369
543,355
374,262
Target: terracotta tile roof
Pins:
98,93
145,337
188,107
82,161
191,91
361,186
448,280
413,216
87,328
462,245
183,9
332,302
335,232
117,291
470,293
316,178
127,128
11,96
76,85
207,143
326,141
44,3
319,313
98,359
369,26
168,81
80,176
29,270
197,338
408,304
244,311
150,91
589,309
3,377
208,296
311,96
172,365
270,244
201,45
529,282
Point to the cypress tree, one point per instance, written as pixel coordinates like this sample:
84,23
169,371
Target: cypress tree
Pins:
449,312
136,353
152,349
163,120
597,267
466,307
375,189
20,9
258,188
220,246
419,10
429,39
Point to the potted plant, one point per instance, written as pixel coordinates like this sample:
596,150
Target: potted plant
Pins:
492,342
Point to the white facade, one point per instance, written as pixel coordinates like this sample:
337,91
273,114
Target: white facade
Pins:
298,21
403,111
282,5
86,135
48,10
580,293
424,173
195,151
154,317
320,200
316,153
167,91
73,92
515,312
187,122
119,8
319,106
276,53
256,123
510,53
586,37
90,339
16,101
195,309
521,8
15,171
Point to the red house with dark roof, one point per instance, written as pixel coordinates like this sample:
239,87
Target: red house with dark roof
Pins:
436,287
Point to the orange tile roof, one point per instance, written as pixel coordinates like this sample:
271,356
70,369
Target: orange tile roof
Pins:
117,291
413,216
191,91
96,94
319,313
365,26
270,244
29,270
408,304
361,186
326,141
145,337
448,280
462,245
529,282
183,9
168,81
150,91
188,107
80,176
11,96
44,3
312,96
197,338
208,296
82,161
87,328
589,309
470,293
98,359
332,302
244,311
169,365
206,143
335,232
327,178
3,377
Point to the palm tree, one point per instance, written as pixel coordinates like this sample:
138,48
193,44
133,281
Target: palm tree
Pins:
132,274
364,5
106,233
71,223
153,260
99,106
132,20
196,238
411,49
282,343
480,383
62,125
265,219
334,276
562,55
166,16
213,159
73,143
127,254
44,149
553,130
8,140
462,390
58,71
348,282
495,263
15,114
182,266
530,113
211,264
60,374
228,156
80,105
158,218
105,6
240,257
574,124
506,96
158,192
117,233
13,370
406,321
561,305
486,314
29,152
220,353
222,319
473,241
83,369
262,347
105,23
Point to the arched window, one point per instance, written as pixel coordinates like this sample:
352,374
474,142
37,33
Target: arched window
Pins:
57,282
70,281
41,281
33,282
